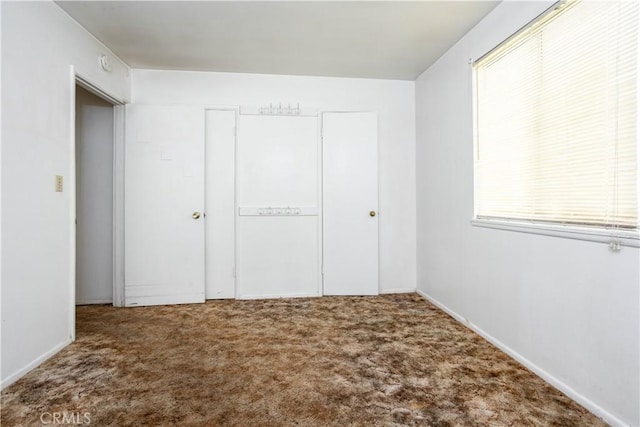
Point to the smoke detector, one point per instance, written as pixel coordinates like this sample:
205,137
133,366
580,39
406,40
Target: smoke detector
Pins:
105,63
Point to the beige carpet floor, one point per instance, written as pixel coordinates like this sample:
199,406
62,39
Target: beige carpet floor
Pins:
333,361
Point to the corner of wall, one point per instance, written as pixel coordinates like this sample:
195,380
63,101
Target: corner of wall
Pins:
37,132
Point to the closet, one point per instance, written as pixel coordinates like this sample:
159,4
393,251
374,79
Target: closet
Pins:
236,203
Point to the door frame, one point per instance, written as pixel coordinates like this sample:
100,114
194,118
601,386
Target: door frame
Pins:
118,103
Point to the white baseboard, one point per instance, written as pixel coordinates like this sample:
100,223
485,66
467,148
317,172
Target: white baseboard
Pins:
277,296
95,301
397,291
564,388
23,371
141,300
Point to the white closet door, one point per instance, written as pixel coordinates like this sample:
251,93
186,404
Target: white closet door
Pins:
164,203
350,203
220,201
278,253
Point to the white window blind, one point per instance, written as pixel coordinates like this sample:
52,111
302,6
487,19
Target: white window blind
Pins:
557,119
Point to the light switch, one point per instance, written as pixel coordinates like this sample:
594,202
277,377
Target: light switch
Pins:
58,183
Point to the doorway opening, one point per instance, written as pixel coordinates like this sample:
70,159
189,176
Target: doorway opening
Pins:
94,154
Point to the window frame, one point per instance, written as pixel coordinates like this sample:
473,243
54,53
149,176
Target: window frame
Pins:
609,235
627,238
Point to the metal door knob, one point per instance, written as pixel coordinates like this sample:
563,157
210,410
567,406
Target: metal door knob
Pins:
372,213
196,215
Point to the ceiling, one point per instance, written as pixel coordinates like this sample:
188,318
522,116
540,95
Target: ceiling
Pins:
381,39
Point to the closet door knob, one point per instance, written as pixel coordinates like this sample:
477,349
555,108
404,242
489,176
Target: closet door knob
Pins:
195,215
372,213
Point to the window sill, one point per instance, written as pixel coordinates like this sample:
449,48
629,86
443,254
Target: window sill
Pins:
623,237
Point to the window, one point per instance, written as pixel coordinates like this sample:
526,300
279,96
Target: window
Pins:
556,114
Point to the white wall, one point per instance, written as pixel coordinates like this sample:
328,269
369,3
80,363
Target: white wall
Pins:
94,199
39,43
393,100
277,165
568,307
